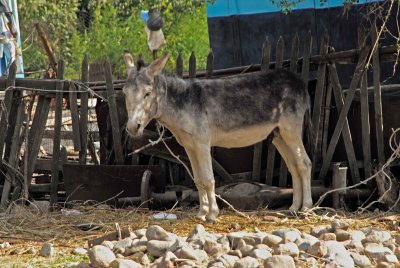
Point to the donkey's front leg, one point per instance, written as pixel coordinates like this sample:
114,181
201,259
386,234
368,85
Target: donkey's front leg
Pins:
200,159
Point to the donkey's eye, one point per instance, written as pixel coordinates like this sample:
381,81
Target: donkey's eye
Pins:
147,94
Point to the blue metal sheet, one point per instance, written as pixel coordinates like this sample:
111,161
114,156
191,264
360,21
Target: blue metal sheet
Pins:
222,8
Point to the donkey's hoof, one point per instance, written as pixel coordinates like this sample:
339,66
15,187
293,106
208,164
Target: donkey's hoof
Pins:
294,209
211,221
201,217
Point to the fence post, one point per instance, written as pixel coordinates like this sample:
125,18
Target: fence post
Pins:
83,122
179,65
192,65
57,133
210,64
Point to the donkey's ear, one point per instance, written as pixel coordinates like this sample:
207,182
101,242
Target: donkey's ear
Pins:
128,59
157,66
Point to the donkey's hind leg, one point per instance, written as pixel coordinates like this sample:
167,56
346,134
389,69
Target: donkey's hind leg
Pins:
292,135
290,161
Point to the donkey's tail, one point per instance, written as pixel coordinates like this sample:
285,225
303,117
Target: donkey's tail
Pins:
308,131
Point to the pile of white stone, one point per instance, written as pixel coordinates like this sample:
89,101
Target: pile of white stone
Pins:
324,246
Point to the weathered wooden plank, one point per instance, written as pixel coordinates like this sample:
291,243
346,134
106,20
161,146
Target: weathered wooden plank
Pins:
13,157
266,55
73,104
57,135
192,65
318,113
305,67
377,95
179,65
112,103
366,142
328,100
210,64
257,155
338,94
343,115
293,67
83,121
280,45
6,108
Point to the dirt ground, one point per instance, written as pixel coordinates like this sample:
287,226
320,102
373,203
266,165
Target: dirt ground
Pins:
27,228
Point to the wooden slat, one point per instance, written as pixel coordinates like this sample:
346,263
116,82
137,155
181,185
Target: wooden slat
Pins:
257,156
327,108
342,118
271,148
179,65
210,64
366,142
346,134
57,135
305,67
293,67
192,65
83,120
8,179
317,113
6,108
112,104
73,104
377,96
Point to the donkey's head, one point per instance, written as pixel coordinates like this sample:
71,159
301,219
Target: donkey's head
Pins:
141,94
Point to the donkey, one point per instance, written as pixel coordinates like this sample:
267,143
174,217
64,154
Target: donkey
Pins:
226,112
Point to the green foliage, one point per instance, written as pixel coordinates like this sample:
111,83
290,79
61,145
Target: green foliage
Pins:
115,25
58,18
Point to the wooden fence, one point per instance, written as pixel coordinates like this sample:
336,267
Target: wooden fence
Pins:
20,140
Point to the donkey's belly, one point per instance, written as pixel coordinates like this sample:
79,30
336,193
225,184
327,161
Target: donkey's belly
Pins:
241,137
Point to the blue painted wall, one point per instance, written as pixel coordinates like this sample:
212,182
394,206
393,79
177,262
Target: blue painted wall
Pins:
221,8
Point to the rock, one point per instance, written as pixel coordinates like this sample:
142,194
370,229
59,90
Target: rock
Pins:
397,252
18,251
317,231
215,249
290,249
31,250
79,251
162,263
121,245
246,250
327,236
338,253
227,260
235,226
390,258
272,240
250,238
319,249
309,237
360,260
191,254
396,239
376,251
356,245
288,234
259,253
136,246
100,256
140,233
198,233
376,237
156,232
311,262
108,244
246,262
383,264
342,235
46,250
279,261
43,206
123,263
357,235
304,245
339,225
238,244
236,253
157,248
4,245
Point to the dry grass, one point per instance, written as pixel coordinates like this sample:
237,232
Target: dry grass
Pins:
26,227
